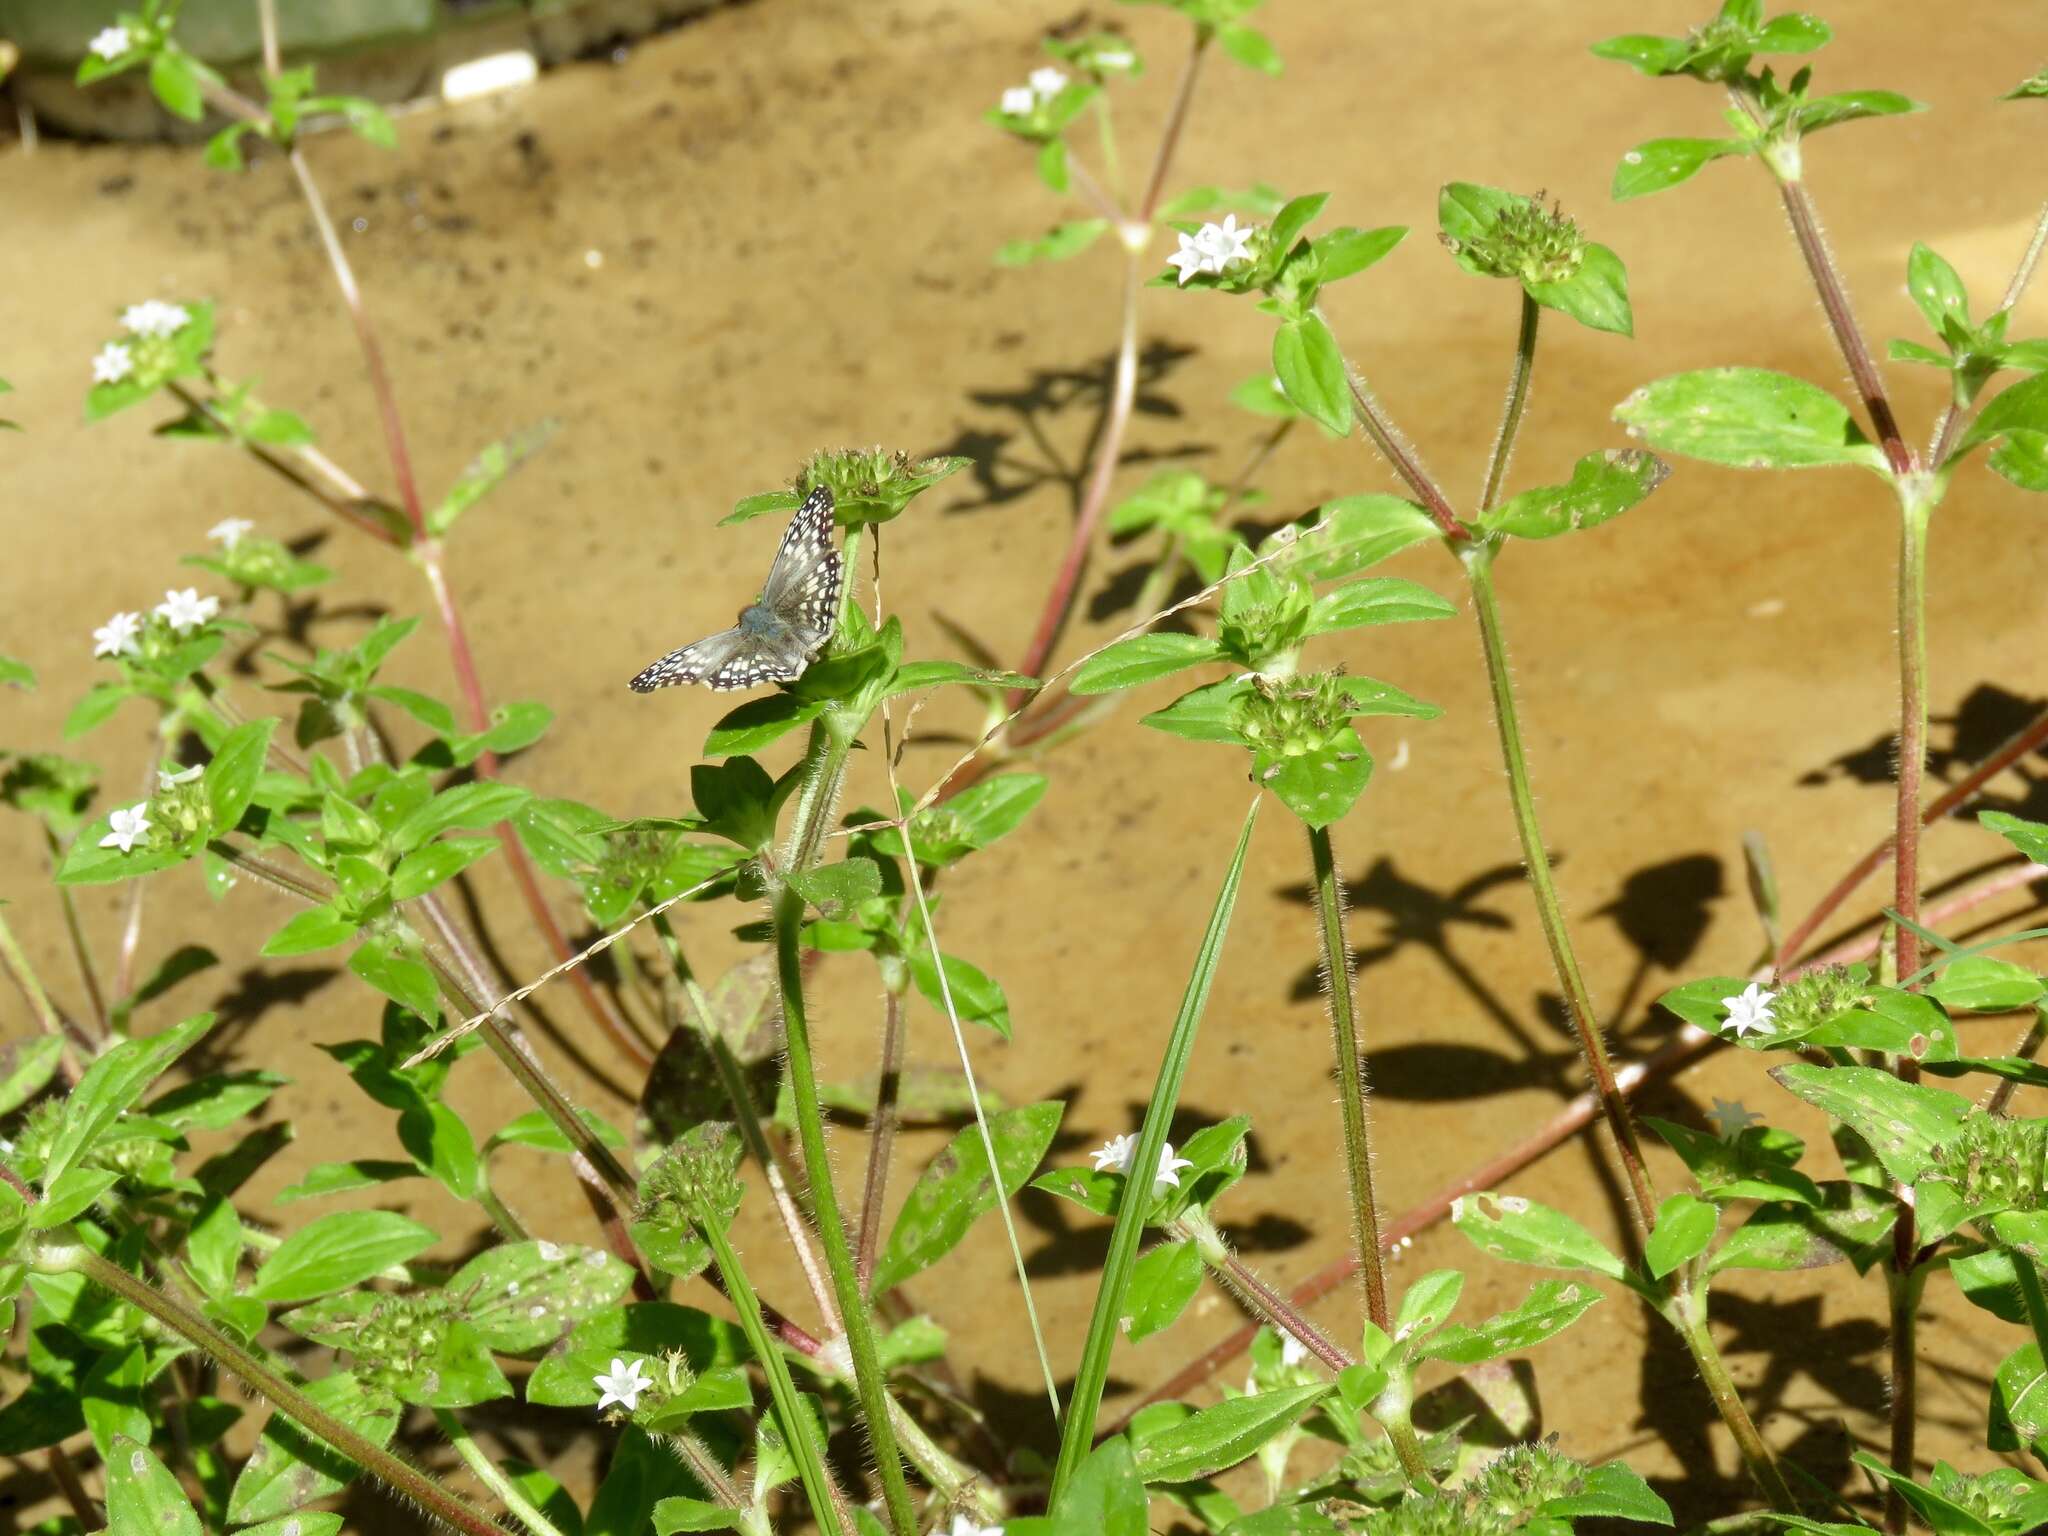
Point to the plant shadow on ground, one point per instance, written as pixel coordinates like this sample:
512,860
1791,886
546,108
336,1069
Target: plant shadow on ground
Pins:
1985,720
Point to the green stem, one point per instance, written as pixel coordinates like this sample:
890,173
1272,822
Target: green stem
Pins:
1517,404
2030,1293
1905,1282
825,767
1077,1431
881,1134
492,1476
24,975
1687,1312
1365,1221
790,1412
1477,558
258,1376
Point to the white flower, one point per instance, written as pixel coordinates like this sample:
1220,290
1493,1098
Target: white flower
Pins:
622,1386
1189,259
1115,58
229,531
127,828
153,317
967,1525
1750,1009
1047,82
116,637
1114,1156
111,364
109,42
1731,1120
187,609
165,779
1225,242
1018,101
1292,1351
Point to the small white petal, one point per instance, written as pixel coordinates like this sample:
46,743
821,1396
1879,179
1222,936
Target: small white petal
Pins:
109,42
111,364
186,609
166,780
1048,81
116,637
127,828
230,531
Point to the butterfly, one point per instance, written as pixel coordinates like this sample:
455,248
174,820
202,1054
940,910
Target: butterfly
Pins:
777,636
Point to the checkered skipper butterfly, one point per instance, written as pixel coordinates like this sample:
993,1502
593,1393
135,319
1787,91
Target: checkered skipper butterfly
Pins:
777,636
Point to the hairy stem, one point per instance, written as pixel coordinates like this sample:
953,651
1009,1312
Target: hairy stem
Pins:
825,768
258,1376
790,1413
1351,1090
492,1476
1398,453
1259,1298
1905,1281
881,1133
1478,562
1516,407
1913,519
24,976
1688,1314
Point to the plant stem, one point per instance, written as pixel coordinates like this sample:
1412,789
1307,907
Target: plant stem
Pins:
1259,1298
1905,1283
1834,302
1477,559
1176,120
825,768
1077,1430
492,1476
1913,517
1517,404
1688,1313
24,977
881,1133
790,1413
2000,1097
1351,1090
65,1471
258,1376
1396,451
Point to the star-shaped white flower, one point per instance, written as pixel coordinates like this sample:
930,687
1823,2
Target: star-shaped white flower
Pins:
187,609
153,317
1731,1120
116,637
1018,101
229,531
111,364
165,779
623,1385
1189,259
109,42
1114,1156
1750,1009
127,827
966,1525
1047,82
1212,248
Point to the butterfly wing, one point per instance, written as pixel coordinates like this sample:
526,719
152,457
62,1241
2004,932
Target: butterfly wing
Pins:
803,583
710,659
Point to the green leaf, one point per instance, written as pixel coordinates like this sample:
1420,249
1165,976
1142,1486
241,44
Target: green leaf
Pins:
1295,216
2021,407
1353,533
424,868
1251,49
340,1178
1935,289
524,1296
1085,1400
481,804
176,84
1685,1226
1059,243
1613,1491
291,1467
1310,368
316,928
142,1494
1345,252
1523,1232
1163,1282
1142,659
1980,984
1644,53
1821,112
406,980
977,997
1756,1165
68,1194
1221,1436
1375,600
336,1252
111,1399
18,674
495,464
111,1085
642,1330
440,1143
2022,458
2029,837
1901,1121
26,1068
1596,295
1550,1307
1319,785
836,888
1665,163
1428,1302
685,1514
758,722
1748,418
955,1190
1603,485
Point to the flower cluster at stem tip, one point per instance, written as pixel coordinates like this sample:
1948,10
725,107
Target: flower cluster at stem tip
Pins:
1114,1156
1042,86
1294,716
1994,1162
1214,248
1526,242
152,320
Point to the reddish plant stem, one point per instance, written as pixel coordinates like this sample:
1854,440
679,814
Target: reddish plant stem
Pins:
66,1474
881,1137
1682,1052
1396,451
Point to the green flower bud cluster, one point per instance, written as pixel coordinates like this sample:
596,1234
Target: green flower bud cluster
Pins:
1818,996
1995,1163
695,1182
1294,716
1500,1499
1525,243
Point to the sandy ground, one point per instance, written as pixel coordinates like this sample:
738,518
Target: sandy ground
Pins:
771,232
